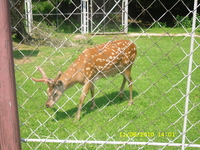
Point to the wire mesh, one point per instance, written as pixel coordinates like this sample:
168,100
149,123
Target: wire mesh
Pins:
53,39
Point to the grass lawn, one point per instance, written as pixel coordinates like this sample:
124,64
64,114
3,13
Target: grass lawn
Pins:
159,86
156,29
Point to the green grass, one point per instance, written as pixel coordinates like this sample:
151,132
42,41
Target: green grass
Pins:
160,30
159,85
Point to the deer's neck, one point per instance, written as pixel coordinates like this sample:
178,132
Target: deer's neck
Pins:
72,76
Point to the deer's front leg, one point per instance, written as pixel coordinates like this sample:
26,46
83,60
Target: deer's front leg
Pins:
86,88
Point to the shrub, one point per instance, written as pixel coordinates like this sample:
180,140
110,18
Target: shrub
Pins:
183,21
159,25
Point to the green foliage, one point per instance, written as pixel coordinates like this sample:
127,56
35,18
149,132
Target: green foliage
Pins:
159,25
58,1
42,7
186,22
183,21
69,26
198,20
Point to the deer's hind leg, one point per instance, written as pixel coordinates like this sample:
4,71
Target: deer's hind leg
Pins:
92,95
127,76
122,87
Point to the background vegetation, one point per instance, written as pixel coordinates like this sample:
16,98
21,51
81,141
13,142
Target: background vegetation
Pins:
142,14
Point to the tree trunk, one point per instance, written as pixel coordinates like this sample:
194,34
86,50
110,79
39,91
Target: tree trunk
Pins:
17,20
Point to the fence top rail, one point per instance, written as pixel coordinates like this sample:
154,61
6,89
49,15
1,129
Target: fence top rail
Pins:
61,14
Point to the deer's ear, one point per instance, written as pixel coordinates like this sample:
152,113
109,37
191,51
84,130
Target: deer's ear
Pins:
60,83
50,83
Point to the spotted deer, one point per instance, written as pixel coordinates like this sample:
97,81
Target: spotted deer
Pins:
94,63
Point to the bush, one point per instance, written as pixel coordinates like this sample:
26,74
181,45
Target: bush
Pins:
186,22
198,20
42,7
182,21
159,25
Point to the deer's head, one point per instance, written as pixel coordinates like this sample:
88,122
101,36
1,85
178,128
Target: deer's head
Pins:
55,87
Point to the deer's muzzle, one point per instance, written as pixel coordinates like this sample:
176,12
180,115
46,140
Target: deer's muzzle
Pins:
49,103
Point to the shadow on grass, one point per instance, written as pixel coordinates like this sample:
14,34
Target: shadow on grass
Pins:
25,53
111,98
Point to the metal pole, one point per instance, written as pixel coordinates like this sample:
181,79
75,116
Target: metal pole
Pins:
84,16
126,17
189,73
29,15
91,16
87,16
9,124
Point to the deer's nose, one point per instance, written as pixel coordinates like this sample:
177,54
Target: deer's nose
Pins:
47,105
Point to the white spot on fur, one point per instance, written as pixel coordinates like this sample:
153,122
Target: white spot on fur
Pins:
127,61
100,67
99,59
85,50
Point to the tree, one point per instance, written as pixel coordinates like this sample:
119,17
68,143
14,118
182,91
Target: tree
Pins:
17,20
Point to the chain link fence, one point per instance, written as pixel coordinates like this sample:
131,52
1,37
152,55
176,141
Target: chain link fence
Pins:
166,87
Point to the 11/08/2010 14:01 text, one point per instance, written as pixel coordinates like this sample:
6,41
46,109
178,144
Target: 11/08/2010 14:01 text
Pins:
146,134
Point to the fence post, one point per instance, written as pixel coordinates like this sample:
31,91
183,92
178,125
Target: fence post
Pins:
84,16
189,73
29,15
9,124
125,15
